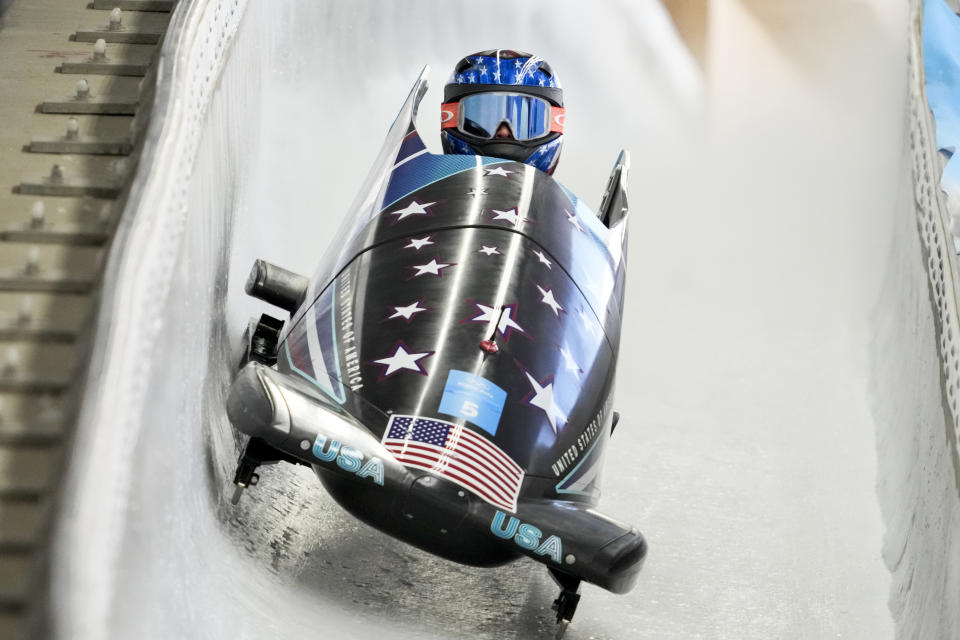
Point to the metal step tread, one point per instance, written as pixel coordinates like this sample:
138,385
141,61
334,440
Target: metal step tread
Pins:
120,36
49,284
70,187
33,419
35,332
71,234
21,523
82,144
27,470
121,67
32,317
38,432
136,5
25,359
100,105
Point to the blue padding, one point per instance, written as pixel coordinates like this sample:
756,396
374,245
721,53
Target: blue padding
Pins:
941,57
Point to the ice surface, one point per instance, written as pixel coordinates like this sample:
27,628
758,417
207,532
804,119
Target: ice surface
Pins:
918,467
768,266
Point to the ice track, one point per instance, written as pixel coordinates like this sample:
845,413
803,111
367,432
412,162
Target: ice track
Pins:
780,366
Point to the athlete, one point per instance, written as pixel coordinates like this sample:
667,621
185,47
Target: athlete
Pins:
505,104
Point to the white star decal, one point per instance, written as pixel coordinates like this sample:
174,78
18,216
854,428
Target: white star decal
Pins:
497,171
481,191
419,243
548,299
543,400
413,209
402,360
572,219
489,250
588,323
433,268
496,76
490,314
509,215
570,362
592,286
408,311
542,258
483,71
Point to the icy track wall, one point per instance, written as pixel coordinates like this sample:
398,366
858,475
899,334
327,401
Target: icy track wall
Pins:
917,422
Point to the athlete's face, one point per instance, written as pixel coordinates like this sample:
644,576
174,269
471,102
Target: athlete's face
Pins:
503,132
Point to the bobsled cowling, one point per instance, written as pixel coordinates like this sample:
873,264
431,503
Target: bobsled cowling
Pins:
449,371
498,239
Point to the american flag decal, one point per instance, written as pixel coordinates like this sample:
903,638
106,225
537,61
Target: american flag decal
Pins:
457,454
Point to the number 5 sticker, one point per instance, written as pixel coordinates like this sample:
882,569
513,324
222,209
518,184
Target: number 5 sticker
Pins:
469,409
474,399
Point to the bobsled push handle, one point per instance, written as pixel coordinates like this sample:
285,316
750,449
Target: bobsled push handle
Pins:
276,285
613,206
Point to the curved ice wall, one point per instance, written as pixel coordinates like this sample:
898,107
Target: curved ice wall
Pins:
269,116
916,382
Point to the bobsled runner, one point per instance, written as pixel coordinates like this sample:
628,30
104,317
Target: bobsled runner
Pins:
449,371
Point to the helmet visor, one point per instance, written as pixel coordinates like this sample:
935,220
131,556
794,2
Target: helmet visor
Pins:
481,114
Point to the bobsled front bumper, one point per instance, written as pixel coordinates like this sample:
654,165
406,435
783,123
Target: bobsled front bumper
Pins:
426,510
293,417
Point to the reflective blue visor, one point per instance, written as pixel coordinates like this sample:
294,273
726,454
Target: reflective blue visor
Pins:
481,114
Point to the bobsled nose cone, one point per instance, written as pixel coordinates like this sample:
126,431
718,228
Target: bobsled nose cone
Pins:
251,405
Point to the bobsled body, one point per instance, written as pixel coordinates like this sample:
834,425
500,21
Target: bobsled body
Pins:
449,371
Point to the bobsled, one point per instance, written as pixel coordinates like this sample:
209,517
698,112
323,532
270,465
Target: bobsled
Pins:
449,371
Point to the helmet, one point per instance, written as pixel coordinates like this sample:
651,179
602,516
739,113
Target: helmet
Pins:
501,88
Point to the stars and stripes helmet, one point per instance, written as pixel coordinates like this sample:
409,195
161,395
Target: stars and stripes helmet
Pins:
505,104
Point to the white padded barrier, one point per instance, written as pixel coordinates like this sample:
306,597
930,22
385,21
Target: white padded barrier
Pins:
933,221
915,382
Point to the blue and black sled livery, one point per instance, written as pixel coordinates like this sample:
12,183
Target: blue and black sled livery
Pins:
449,371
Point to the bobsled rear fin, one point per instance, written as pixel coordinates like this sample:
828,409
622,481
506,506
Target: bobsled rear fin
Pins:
613,206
